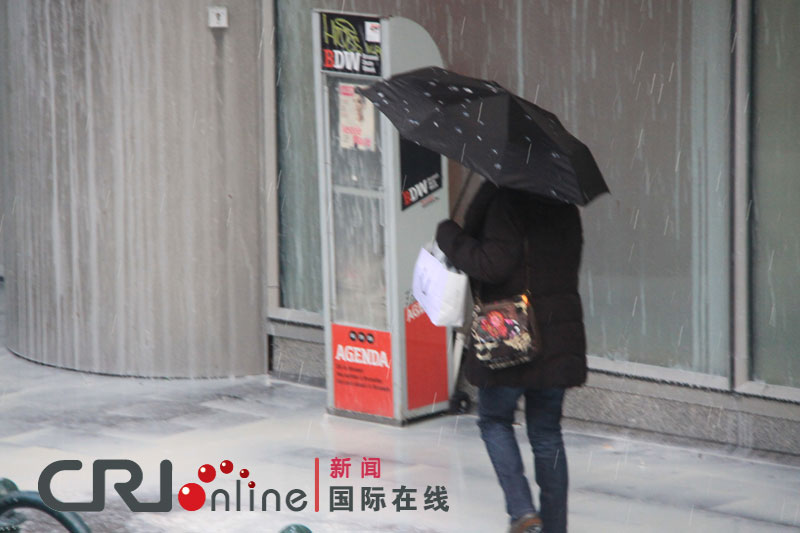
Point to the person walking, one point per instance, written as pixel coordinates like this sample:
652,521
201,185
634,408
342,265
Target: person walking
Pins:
500,225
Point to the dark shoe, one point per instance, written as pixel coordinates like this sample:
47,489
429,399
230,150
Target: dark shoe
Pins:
528,523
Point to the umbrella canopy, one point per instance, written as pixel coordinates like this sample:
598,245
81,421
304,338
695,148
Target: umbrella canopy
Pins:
512,142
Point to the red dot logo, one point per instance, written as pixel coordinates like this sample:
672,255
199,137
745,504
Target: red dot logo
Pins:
226,467
192,497
244,473
252,484
206,473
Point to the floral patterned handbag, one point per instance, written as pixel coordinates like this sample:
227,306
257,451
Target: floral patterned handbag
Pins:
505,332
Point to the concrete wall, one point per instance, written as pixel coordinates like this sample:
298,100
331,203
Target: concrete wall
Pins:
129,155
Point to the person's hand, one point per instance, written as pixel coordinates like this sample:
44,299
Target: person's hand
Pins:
446,232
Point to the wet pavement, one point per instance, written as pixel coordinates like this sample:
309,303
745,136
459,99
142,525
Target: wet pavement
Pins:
277,429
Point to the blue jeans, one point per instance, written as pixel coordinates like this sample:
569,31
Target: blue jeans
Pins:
496,407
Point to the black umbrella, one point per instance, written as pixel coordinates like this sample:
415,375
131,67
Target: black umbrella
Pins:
512,142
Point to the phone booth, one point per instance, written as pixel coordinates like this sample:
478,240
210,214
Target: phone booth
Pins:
381,198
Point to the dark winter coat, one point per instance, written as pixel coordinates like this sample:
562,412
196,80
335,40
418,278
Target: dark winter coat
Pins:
490,249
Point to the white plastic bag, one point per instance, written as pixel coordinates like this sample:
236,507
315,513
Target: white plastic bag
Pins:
442,291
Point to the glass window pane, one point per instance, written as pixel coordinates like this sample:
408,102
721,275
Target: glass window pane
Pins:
775,216
649,90
300,260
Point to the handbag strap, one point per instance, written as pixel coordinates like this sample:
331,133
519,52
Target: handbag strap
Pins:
527,266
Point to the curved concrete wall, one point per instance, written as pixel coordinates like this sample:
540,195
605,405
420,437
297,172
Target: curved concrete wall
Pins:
129,153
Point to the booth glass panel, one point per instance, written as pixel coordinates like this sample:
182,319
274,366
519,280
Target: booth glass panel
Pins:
353,126
359,252
357,204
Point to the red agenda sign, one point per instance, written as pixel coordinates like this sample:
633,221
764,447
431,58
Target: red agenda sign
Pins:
362,370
